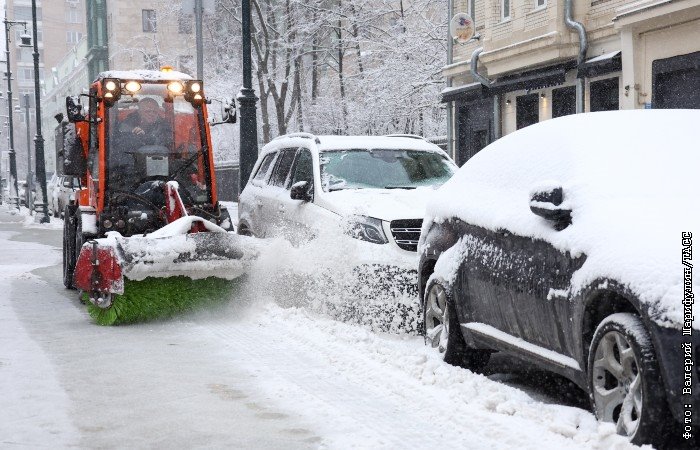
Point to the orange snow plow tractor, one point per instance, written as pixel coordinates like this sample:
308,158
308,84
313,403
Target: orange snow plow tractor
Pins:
147,237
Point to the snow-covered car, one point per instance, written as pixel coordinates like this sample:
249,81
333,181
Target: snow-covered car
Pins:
568,244
63,193
22,192
372,189
52,194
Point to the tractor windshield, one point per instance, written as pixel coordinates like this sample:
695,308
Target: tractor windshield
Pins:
153,137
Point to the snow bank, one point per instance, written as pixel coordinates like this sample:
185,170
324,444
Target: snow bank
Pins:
625,176
367,390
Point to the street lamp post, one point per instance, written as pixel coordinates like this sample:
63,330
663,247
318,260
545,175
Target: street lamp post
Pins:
247,100
30,181
14,198
42,214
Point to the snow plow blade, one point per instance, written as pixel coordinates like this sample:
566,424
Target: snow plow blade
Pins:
173,270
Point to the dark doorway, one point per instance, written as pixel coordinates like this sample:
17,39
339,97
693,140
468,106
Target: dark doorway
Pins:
473,128
605,95
676,81
527,110
564,101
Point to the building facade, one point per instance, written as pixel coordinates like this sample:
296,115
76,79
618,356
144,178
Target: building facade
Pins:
60,23
533,60
120,35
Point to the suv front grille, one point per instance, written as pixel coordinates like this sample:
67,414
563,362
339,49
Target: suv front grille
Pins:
406,233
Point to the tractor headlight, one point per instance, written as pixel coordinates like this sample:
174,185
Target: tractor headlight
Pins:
112,89
193,92
132,87
366,229
175,87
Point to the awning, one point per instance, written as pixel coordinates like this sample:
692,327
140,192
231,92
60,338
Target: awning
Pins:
552,76
463,93
601,65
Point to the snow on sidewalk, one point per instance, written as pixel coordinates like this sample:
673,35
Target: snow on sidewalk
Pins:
34,410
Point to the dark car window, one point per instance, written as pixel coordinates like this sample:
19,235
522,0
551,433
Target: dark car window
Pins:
264,168
303,168
284,164
70,182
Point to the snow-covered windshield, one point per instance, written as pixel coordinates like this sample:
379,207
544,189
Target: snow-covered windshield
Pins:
382,169
152,135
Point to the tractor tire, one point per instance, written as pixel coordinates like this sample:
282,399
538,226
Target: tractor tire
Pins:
69,255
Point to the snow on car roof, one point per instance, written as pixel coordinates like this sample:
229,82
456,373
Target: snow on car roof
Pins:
628,177
145,75
385,142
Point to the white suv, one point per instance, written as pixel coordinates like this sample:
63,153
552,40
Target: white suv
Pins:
373,189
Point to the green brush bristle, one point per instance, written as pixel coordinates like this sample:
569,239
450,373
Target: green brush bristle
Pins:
161,298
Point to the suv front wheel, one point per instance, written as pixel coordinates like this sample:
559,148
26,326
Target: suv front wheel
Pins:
624,379
442,328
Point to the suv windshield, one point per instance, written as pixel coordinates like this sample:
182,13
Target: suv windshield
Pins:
153,136
382,169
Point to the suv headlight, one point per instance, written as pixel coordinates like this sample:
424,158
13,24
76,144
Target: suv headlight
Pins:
366,229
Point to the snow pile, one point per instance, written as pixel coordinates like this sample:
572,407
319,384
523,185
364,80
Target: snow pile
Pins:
145,75
183,225
28,218
624,176
368,390
336,274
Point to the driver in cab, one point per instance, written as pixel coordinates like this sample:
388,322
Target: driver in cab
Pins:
147,126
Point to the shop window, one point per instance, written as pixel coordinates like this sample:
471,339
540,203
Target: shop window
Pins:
527,110
675,81
605,95
563,101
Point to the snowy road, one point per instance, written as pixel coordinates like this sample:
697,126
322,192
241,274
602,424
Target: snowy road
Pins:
251,375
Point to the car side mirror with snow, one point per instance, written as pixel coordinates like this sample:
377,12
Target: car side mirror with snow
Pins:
301,190
549,204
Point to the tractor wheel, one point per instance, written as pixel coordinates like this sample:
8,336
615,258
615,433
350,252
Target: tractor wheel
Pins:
69,259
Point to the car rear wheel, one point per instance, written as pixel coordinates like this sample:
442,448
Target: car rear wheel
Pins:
625,380
442,330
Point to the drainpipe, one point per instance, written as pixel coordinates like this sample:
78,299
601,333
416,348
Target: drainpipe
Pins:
475,61
450,105
583,48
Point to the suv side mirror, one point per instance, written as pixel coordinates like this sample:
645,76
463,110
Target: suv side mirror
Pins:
547,203
301,190
74,110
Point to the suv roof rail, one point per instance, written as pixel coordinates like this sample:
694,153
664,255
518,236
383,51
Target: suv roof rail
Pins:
300,135
411,136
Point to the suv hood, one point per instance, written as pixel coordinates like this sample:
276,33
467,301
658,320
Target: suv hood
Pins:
384,204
